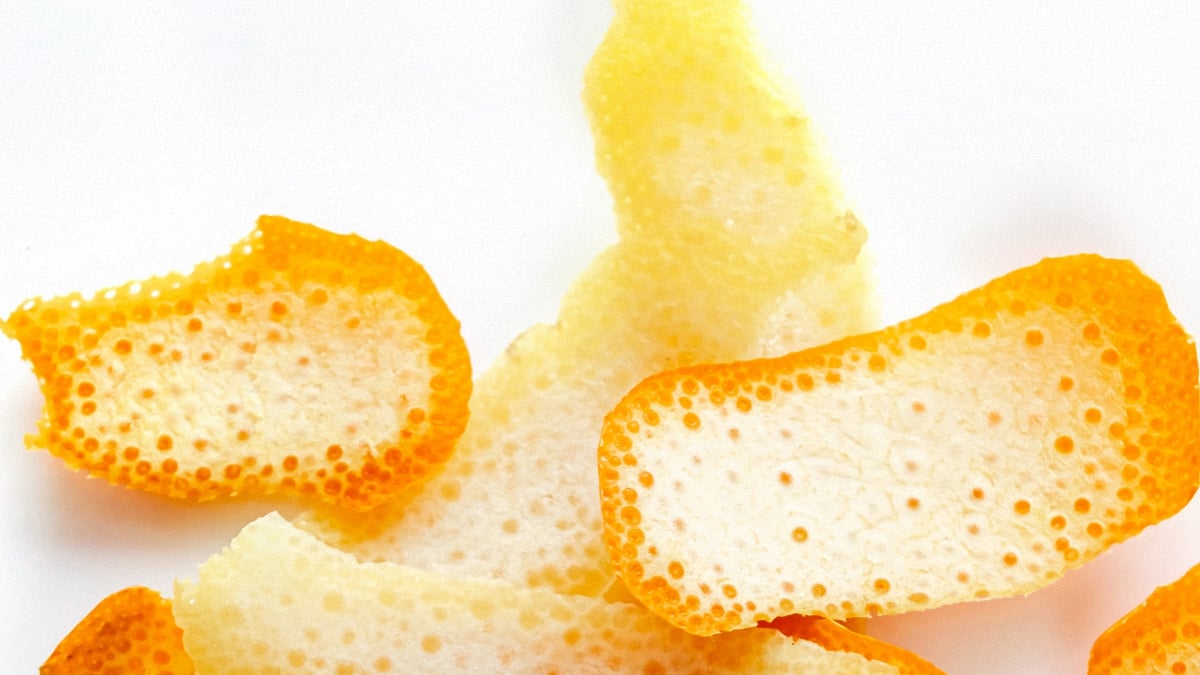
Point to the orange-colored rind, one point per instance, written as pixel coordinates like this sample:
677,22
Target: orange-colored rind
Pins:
980,450
1161,636
836,637
303,362
130,631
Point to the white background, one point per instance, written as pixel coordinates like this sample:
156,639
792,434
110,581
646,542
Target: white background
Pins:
135,140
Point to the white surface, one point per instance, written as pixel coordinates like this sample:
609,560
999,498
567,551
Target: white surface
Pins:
137,140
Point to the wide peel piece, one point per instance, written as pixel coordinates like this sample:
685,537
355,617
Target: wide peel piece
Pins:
130,631
735,243
302,362
979,450
1162,635
278,600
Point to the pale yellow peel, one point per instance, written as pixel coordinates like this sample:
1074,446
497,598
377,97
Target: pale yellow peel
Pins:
735,243
278,600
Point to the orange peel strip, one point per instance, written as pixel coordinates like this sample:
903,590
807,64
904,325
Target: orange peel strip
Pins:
130,631
278,600
303,362
979,450
735,243
835,637
1162,635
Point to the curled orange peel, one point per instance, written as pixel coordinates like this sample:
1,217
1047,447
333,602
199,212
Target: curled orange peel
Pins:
303,362
130,631
979,450
1162,635
833,636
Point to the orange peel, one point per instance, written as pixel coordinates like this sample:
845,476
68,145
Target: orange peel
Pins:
130,631
1162,635
979,450
735,242
279,600
836,637
303,362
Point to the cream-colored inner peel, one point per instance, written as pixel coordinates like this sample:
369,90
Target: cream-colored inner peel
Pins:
219,383
735,243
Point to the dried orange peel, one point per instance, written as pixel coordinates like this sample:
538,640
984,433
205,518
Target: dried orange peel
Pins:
130,631
979,450
302,362
735,243
320,610
1162,635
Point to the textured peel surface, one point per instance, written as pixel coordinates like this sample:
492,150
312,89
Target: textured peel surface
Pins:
302,362
1162,635
979,450
833,636
278,600
734,243
130,631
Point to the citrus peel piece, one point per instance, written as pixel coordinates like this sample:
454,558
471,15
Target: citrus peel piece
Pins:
1162,635
278,600
979,450
833,636
303,362
695,130
763,260
130,631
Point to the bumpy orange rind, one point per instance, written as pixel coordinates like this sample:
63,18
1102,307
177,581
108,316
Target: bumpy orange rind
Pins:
1160,636
303,362
130,631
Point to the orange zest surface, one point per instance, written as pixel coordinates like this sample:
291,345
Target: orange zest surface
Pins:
303,362
978,450
130,631
835,637
1162,635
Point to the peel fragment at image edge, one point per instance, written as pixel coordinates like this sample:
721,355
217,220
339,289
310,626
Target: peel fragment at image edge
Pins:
130,631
